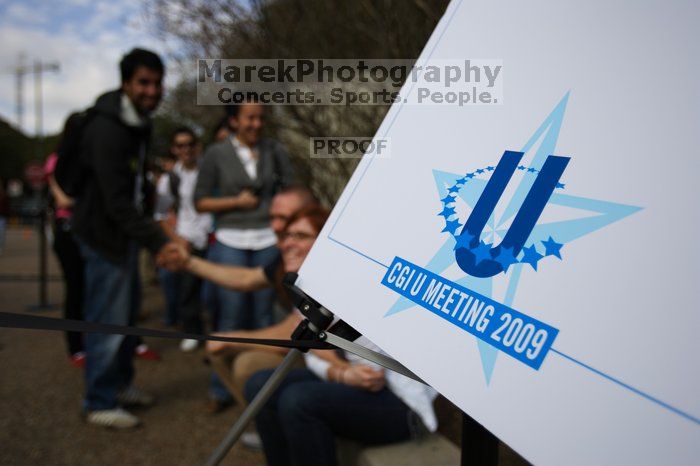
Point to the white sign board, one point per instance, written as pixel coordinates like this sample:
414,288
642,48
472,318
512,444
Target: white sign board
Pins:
537,260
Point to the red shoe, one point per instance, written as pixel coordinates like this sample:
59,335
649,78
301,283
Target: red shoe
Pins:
78,359
144,352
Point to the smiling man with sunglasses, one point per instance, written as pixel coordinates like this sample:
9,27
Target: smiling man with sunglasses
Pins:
175,194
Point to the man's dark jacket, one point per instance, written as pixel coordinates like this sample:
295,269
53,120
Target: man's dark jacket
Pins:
105,215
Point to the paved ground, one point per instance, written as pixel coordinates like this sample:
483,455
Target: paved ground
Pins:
40,392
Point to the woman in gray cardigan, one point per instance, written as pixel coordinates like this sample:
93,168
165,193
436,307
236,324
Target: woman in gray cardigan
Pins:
237,180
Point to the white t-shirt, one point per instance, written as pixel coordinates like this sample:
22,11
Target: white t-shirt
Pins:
191,225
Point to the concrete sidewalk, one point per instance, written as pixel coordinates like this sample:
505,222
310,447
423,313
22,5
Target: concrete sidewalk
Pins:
40,392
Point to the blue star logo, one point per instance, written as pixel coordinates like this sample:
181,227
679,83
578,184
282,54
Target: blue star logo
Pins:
531,256
552,248
506,258
588,216
451,226
447,212
463,241
448,199
482,252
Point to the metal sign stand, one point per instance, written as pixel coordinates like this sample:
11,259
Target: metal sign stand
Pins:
479,446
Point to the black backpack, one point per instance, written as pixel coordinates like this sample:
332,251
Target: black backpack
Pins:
71,169
174,187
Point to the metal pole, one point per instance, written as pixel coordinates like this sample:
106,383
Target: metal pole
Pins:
254,407
39,123
19,77
43,259
38,70
38,109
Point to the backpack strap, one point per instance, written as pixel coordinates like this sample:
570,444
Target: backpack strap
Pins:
174,186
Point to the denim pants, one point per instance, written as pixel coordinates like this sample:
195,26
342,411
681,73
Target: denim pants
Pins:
189,300
3,229
170,285
73,267
239,310
112,296
299,423
236,310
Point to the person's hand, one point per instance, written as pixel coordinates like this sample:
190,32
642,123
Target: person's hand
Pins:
64,202
246,200
364,377
174,256
184,243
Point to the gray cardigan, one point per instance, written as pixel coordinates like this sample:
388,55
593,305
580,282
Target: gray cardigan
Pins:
222,174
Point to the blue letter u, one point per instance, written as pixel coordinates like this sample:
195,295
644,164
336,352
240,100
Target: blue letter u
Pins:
524,221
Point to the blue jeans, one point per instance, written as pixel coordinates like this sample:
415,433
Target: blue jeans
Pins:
170,284
239,310
3,229
112,296
209,297
299,423
235,310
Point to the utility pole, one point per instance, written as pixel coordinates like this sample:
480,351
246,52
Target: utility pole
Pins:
38,70
20,70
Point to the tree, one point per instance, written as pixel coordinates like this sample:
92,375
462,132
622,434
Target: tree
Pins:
19,149
349,29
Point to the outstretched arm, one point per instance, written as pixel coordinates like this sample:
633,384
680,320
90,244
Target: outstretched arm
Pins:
62,200
177,258
229,276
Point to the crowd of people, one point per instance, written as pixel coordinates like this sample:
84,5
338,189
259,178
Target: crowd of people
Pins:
224,223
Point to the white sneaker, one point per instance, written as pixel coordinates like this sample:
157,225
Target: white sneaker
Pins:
188,345
132,396
252,441
114,418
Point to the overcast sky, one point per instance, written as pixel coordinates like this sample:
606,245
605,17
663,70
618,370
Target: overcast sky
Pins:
87,38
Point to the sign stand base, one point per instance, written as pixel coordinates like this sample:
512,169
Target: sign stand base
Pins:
479,446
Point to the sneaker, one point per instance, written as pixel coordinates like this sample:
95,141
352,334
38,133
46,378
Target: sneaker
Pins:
144,352
132,396
78,359
188,345
252,441
113,418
